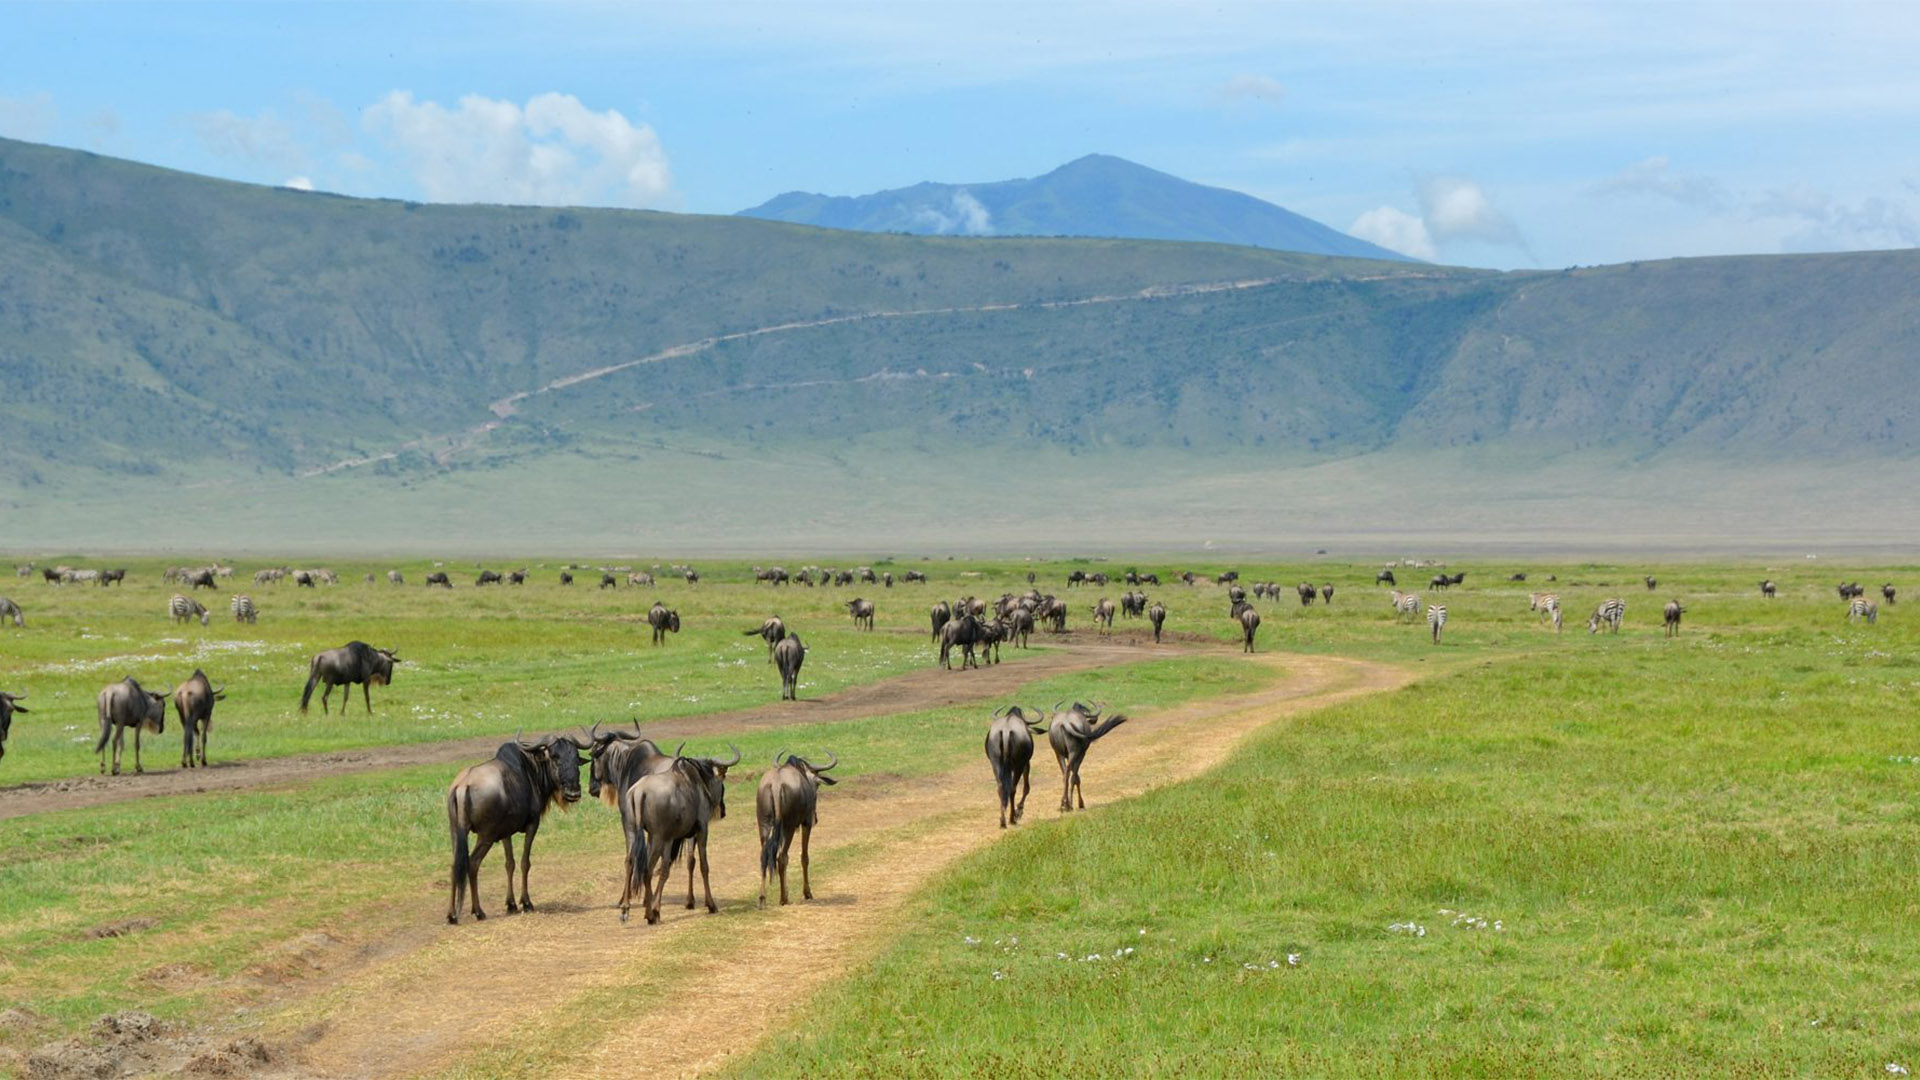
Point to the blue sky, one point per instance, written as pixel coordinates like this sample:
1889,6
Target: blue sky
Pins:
1510,135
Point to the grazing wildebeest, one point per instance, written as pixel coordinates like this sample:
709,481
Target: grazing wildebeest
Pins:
608,581
663,621
201,579
1070,734
243,609
183,608
566,578
1103,615
862,612
500,797
396,578
1651,583
193,701
307,579
912,576
1671,616
1439,581
1767,589
1517,577
1248,619
1010,754
9,704
108,577
941,613
666,810
1076,577
773,631
1887,591
693,577
439,577
788,655
354,662
124,705
52,575
788,802
487,577
11,610
517,577
1157,615
1326,594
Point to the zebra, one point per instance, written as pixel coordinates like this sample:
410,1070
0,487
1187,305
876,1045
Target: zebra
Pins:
1436,619
182,609
1548,605
395,577
243,609
1610,612
11,610
1863,608
1671,617
1406,604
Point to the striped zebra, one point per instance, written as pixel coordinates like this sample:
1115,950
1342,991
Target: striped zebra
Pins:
1406,604
1436,620
1863,608
11,610
243,609
1548,605
182,608
1610,613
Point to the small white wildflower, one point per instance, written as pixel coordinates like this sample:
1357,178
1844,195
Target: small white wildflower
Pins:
1293,959
970,939
998,975
1894,1068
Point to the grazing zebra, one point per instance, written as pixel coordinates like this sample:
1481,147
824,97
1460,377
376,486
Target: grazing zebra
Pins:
1436,619
1548,605
1671,616
1610,612
11,610
1863,608
182,609
1406,604
243,609
1766,589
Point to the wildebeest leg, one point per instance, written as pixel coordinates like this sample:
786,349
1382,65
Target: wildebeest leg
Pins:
526,866
786,847
206,732
326,689
506,846
706,886
806,876
1066,782
1077,793
658,885
137,767
366,691
1026,786
473,876
692,856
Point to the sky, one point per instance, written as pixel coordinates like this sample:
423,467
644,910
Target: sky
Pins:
1488,134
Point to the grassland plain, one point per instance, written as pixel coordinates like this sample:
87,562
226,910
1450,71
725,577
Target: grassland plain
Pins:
1688,844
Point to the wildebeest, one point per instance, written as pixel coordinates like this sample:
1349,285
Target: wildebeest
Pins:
439,577
912,576
517,577
193,701
1767,589
665,811
663,620
608,581
183,608
1010,754
1076,577
1103,615
788,802
126,704
1070,734
200,579
1157,615
1248,619
772,631
109,577
1019,626
9,704
243,609
1887,591
500,797
692,576
487,577
396,578
354,662
52,575
965,631
1326,594
307,579
566,578
886,579
1671,617
1306,592
862,612
941,613
788,655
11,610
1651,583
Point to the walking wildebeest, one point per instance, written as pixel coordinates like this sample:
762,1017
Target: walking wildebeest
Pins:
354,662
1103,615
11,610
772,631
965,631
109,577
1019,625
1887,591
124,705
1306,592
941,613
788,801
1157,615
1767,589
608,581
566,578
788,655
663,622
487,577
862,612
1070,734
1248,619
9,704
666,810
503,796
1326,594
1671,616
193,700
439,577
200,579
517,577
1010,753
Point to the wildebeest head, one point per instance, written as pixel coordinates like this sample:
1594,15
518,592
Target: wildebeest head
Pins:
9,704
818,772
559,757
710,773
380,670
601,752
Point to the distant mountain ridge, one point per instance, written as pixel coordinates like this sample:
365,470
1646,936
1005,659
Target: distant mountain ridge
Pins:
1097,195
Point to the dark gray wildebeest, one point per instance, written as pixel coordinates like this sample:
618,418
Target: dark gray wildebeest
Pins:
109,577
1651,583
1103,615
663,621
1385,577
488,577
1157,615
308,580
566,578
9,704
395,577
862,612
692,576
439,577
1010,753
665,811
788,655
354,662
1887,591
1767,589
1019,625
617,761
788,802
193,701
11,610
1248,619
498,798
1307,592
1070,734
967,631
1670,615
124,705
941,614
912,576
608,581
517,577
1326,594
200,579
183,608
772,631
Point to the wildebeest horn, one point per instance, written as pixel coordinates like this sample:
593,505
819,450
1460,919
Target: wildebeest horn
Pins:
998,711
778,756
736,757
677,749
1057,704
833,760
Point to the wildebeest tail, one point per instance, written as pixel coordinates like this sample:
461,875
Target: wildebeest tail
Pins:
457,825
313,679
1107,725
770,847
105,729
637,853
1002,773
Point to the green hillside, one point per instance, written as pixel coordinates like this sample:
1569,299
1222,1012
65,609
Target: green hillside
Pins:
261,361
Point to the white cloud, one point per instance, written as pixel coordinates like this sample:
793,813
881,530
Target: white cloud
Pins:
1655,176
1827,224
1395,230
1258,89
264,139
968,217
299,183
1456,208
553,151
30,118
